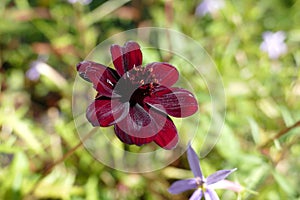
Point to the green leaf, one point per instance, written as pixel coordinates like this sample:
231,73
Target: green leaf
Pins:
14,182
254,130
23,130
284,183
228,144
103,10
175,173
257,176
58,184
287,117
92,188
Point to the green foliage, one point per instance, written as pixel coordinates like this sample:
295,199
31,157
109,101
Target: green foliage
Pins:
36,122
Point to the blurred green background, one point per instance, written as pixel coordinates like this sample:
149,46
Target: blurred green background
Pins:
36,122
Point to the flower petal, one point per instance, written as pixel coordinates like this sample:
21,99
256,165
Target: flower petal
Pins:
183,185
145,123
129,139
197,195
176,102
210,194
164,73
142,122
167,137
218,176
194,162
125,58
106,112
228,185
103,78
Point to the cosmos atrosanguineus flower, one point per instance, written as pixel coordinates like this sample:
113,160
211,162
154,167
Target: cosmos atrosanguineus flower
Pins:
205,187
137,99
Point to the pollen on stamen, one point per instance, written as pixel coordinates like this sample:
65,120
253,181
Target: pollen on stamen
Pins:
203,187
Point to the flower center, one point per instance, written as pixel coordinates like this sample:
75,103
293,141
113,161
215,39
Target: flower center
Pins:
139,76
136,84
140,93
201,184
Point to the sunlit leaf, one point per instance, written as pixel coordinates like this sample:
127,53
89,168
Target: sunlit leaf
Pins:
92,188
284,183
228,144
254,130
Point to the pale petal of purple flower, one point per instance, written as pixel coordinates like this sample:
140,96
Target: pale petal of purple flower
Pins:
72,1
194,162
33,73
273,44
209,7
83,2
197,195
218,176
210,194
183,185
228,185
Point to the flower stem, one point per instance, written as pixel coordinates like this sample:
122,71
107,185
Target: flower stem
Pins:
280,134
70,152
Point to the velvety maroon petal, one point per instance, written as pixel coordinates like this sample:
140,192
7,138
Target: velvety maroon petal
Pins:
117,58
106,112
133,54
103,78
167,137
176,102
129,139
164,73
125,58
142,122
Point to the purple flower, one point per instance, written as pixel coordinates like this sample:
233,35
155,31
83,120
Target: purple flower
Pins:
204,186
33,72
83,2
137,100
209,7
273,44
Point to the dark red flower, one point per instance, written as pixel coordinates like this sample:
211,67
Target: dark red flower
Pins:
135,99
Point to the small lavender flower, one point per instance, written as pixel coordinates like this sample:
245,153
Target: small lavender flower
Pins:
273,44
204,186
209,7
83,2
40,67
33,72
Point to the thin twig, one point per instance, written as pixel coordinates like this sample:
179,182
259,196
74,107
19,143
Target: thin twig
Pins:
51,167
70,152
280,134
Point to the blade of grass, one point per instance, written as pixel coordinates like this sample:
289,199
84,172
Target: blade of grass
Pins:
103,10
